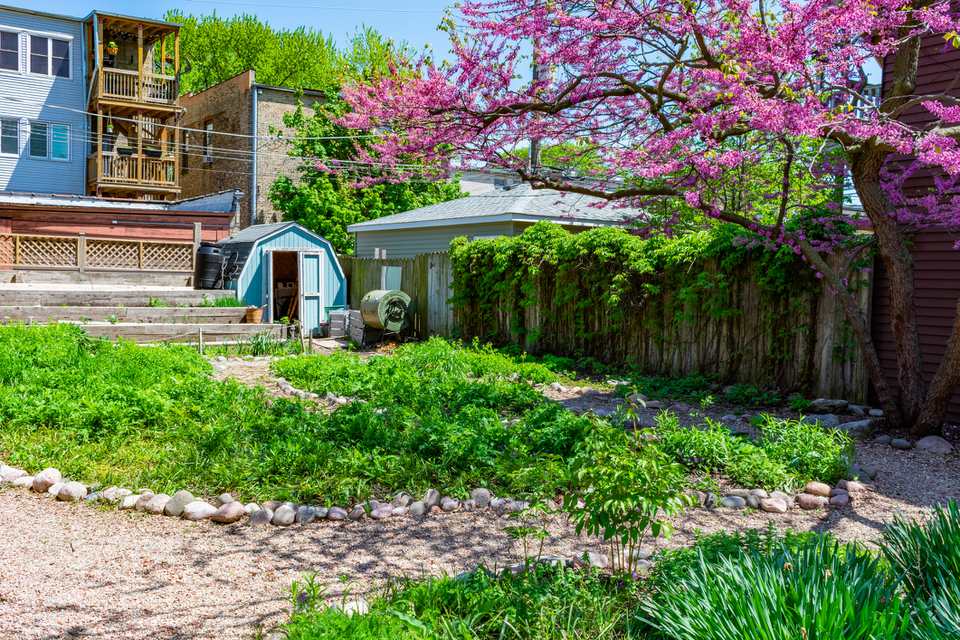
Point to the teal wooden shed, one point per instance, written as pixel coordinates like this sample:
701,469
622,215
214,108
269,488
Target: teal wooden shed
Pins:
290,271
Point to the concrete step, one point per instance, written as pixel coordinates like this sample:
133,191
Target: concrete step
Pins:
53,295
189,333
170,315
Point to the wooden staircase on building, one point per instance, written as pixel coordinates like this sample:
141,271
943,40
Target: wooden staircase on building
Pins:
133,313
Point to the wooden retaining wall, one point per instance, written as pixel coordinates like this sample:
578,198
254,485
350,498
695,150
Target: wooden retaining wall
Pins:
799,342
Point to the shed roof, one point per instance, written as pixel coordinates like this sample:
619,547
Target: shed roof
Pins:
256,232
521,203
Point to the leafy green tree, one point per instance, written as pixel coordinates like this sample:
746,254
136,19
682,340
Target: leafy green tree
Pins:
217,48
326,202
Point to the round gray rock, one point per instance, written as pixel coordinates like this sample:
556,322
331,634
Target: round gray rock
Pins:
809,502
157,503
198,510
228,513
337,513
180,499
402,500
261,517
224,498
449,504
284,515
72,492
901,443
934,444
431,498
840,500
23,481
817,489
418,509
129,502
734,502
54,489
46,479
382,512
145,497
773,505
481,497
305,514
357,513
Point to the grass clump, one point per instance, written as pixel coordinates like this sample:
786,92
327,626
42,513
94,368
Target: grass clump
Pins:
926,560
830,590
810,451
543,603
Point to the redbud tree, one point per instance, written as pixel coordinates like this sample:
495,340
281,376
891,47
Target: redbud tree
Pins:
672,97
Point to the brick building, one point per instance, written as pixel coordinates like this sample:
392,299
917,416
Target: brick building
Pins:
220,154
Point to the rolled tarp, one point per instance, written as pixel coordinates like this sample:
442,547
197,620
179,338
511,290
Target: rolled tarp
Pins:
386,310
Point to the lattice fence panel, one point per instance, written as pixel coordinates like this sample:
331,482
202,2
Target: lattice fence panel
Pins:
40,251
167,257
113,254
7,253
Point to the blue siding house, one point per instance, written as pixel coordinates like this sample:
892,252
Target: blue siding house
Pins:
43,99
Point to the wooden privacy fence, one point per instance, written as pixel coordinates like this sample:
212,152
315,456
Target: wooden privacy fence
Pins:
799,342
427,279
82,253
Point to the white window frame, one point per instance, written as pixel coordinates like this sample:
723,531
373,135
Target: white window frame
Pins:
50,38
208,142
17,153
50,127
15,32
23,52
49,156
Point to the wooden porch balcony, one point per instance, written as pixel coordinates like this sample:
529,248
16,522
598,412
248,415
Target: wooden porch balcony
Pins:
129,86
133,172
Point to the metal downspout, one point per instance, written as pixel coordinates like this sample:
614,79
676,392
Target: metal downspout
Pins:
255,143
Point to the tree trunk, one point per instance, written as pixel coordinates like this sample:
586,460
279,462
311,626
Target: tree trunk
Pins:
942,386
898,263
861,329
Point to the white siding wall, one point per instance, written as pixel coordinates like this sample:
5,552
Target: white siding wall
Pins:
410,242
26,96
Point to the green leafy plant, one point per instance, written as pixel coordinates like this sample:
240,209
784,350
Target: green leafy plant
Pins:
798,403
750,395
544,602
811,452
624,489
818,588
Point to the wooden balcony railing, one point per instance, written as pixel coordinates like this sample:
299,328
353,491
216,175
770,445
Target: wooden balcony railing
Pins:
134,170
124,84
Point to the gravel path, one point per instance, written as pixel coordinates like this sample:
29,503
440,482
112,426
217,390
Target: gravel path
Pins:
73,571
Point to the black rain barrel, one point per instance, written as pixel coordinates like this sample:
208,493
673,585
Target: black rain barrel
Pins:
209,266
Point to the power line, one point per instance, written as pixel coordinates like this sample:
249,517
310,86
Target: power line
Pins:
189,129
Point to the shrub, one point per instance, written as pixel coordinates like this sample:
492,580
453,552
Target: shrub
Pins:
751,395
819,589
692,388
437,414
715,450
544,602
625,488
811,452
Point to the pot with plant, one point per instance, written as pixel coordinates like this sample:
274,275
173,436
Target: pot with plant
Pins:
112,49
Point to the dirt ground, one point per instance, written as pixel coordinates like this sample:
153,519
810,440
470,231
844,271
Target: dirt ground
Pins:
73,571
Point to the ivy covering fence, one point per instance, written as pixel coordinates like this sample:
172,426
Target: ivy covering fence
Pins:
714,302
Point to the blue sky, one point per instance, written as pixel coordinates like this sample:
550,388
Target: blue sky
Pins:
413,21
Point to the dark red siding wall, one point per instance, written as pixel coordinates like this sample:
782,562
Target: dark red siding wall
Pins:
937,73
937,283
936,262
